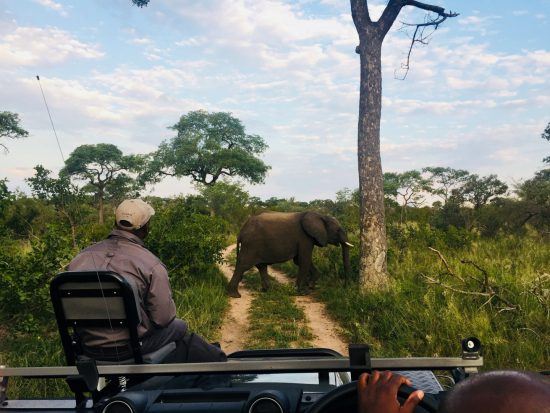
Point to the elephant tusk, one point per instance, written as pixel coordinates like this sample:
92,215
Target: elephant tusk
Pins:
348,244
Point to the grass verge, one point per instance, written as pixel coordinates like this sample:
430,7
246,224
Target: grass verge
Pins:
275,320
415,318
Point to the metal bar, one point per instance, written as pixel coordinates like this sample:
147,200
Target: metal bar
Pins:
251,366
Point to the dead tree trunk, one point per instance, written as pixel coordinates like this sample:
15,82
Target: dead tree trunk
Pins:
371,186
372,266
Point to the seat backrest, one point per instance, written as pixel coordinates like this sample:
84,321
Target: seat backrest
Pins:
102,299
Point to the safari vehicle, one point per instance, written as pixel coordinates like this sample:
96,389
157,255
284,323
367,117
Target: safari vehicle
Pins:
256,381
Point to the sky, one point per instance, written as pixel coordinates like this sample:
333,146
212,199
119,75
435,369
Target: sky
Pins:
477,97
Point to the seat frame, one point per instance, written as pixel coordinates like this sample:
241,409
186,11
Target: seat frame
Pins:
71,343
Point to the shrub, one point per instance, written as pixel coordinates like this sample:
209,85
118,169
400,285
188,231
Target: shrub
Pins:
185,240
26,275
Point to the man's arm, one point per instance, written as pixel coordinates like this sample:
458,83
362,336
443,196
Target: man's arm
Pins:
159,303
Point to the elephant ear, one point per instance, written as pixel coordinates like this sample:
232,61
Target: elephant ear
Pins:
314,225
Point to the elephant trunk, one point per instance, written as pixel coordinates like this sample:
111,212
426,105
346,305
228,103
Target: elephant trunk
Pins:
345,257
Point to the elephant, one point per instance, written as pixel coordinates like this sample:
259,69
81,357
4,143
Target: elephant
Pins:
275,237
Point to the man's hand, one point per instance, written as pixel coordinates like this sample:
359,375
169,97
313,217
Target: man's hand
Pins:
377,393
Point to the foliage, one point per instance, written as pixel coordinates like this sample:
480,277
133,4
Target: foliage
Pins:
208,146
105,169
408,188
26,274
535,194
444,180
141,3
10,128
61,193
201,300
228,201
478,191
546,135
185,240
414,318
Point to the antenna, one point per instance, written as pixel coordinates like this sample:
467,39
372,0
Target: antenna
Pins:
50,116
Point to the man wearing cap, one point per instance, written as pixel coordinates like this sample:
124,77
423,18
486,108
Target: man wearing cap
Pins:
124,253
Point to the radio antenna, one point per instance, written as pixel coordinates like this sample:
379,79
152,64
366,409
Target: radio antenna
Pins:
51,121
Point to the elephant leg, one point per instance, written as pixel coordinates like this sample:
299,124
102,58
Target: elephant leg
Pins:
304,259
313,276
264,276
233,286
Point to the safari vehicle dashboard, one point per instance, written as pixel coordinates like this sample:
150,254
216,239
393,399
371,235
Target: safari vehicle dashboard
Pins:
256,381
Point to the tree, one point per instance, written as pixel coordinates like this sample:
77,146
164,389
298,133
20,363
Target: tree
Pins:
408,187
61,193
207,147
479,191
372,265
10,128
105,170
546,135
228,201
6,196
535,193
445,179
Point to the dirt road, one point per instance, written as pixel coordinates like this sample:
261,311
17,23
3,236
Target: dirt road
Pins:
326,331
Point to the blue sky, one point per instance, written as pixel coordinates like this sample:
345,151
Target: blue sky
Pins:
477,97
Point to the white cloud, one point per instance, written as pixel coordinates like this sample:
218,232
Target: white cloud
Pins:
192,41
520,12
140,41
50,4
32,46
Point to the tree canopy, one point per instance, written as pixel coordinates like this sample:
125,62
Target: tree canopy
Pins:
105,169
546,135
10,128
478,191
208,146
445,180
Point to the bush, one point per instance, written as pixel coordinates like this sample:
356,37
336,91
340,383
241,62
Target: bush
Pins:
26,274
186,240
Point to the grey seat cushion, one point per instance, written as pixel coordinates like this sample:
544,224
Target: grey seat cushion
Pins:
155,357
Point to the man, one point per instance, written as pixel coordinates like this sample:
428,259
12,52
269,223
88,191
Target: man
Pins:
500,392
491,392
124,253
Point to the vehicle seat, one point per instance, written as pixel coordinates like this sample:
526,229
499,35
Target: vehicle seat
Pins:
99,299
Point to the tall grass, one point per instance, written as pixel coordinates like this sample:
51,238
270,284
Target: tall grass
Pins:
415,318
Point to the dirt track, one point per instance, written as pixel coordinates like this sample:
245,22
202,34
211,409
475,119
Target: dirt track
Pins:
235,325
234,328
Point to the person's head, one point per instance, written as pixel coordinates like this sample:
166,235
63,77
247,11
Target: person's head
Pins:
499,392
133,215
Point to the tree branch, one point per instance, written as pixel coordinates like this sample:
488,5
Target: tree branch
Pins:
442,258
436,9
360,14
388,16
418,35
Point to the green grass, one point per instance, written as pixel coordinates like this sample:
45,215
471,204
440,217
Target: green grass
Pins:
413,318
200,300
275,320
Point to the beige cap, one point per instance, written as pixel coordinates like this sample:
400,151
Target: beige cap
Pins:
133,213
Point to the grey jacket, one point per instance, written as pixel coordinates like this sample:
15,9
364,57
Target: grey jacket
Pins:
125,254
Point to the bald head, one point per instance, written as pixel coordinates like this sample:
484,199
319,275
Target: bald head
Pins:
499,392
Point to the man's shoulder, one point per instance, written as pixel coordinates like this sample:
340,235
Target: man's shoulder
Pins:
139,253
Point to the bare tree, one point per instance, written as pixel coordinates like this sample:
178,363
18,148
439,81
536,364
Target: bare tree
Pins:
372,266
